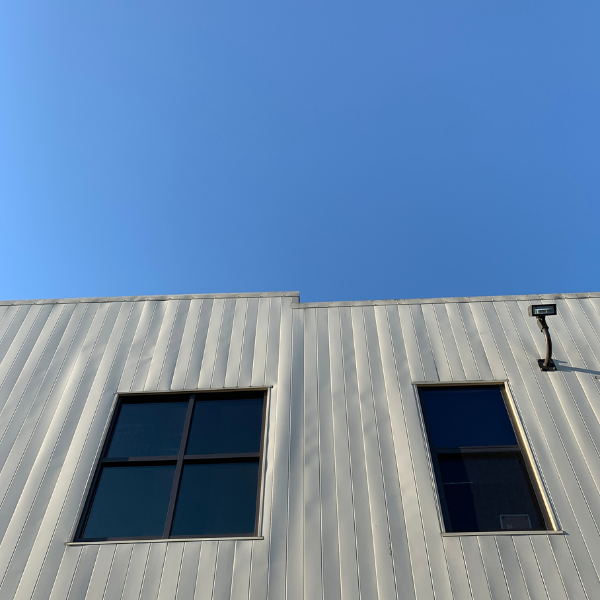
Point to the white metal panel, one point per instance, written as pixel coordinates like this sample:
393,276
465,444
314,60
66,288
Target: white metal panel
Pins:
240,578
224,570
348,564
201,332
401,371
349,507
313,559
170,573
225,342
118,571
174,348
187,343
188,571
205,580
329,534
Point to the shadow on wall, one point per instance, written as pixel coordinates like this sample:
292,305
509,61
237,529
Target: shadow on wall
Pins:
562,365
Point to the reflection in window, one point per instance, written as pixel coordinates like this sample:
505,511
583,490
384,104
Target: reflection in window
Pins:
482,475
179,465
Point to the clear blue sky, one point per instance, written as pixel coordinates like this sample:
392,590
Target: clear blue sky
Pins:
349,150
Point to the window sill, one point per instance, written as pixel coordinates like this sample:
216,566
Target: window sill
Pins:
165,540
503,532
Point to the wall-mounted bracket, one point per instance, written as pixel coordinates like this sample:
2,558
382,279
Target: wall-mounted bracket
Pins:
540,311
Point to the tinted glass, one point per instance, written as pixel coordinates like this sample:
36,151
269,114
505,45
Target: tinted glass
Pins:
217,499
130,502
488,493
469,416
148,429
226,426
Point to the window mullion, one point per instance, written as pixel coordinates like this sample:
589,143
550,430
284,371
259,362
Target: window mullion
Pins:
179,467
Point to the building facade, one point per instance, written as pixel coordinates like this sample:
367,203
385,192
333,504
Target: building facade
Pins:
350,501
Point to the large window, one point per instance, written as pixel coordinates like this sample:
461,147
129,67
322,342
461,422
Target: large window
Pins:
178,465
483,478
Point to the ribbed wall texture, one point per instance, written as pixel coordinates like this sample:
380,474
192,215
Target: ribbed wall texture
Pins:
349,507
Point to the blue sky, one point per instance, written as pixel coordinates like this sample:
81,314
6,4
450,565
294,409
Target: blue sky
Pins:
348,150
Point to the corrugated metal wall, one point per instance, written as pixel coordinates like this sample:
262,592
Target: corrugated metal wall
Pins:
349,508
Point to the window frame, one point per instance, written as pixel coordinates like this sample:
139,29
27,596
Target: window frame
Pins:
522,448
178,460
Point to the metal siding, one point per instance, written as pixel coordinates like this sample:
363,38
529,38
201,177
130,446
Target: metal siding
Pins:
349,506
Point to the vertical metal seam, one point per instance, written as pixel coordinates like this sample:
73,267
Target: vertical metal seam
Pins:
319,462
335,455
569,426
185,546
249,590
589,322
91,421
58,372
478,335
216,565
112,560
350,456
19,310
578,378
137,365
32,372
218,345
144,384
389,331
239,368
441,336
235,554
267,341
487,579
523,421
520,565
379,452
48,465
468,338
12,314
126,573
193,344
25,338
539,568
162,569
72,576
454,336
410,449
466,565
145,570
289,450
577,409
168,344
502,568
562,444
273,407
202,546
570,335
551,549
414,332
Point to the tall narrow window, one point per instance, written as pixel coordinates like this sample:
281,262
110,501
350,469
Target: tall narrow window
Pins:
482,476
178,465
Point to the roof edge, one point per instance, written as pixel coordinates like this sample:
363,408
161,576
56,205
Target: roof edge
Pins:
155,298
446,300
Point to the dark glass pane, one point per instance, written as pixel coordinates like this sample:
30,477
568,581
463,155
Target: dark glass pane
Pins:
488,493
217,499
467,416
130,502
148,429
226,426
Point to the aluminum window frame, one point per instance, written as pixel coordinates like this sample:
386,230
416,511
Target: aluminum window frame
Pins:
523,447
179,460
